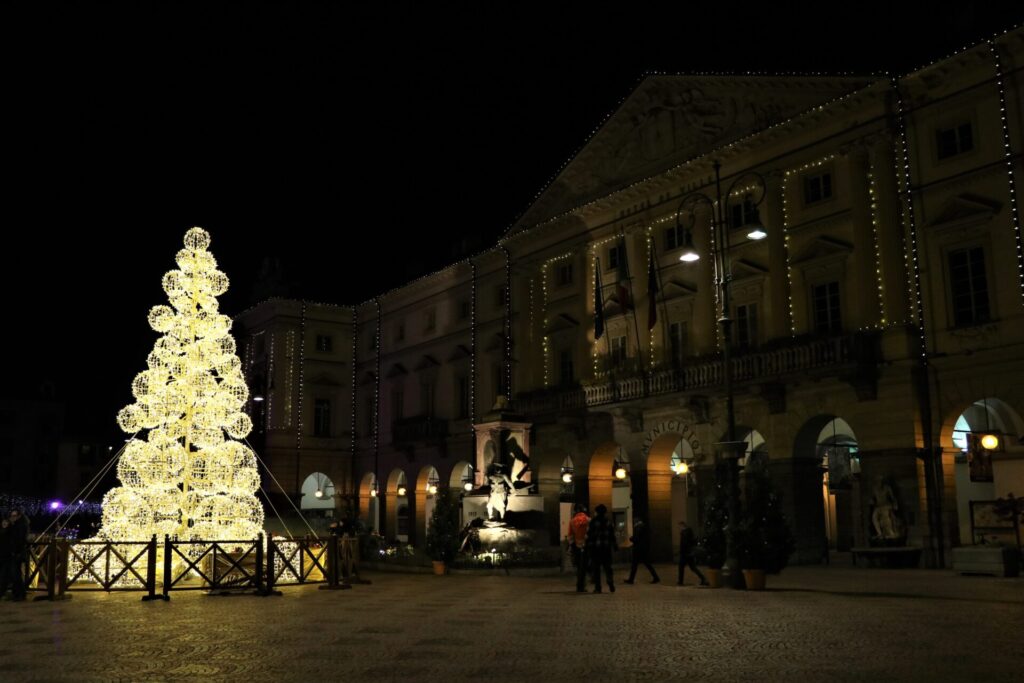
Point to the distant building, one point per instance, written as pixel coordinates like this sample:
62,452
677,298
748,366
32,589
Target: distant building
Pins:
878,328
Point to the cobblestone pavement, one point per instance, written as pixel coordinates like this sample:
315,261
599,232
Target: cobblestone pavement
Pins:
813,624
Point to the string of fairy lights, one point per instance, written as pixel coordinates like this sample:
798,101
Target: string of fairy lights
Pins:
910,222
546,340
1008,155
507,327
376,396
302,366
472,346
873,205
354,316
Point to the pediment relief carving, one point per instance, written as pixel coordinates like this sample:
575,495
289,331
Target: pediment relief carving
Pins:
963,211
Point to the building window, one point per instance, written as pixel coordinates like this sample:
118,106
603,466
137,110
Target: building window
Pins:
676,342
462,396
500,296
464,309
817,187
427,398
563,275
674,237
430,320
825,305
743,213
616,255
954,140
369,406
397,404
969,287
499,381
746,325
566,374
618,351
322,417
323,343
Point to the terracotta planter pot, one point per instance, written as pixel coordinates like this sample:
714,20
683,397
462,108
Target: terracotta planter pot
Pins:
439,568
714,577
754,578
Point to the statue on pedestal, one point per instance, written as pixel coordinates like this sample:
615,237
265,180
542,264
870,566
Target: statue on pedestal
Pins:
501,488
884,517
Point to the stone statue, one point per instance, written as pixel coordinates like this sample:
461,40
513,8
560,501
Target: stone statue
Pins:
501,488
883,517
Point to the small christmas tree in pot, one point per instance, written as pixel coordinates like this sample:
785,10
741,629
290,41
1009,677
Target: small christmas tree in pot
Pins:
443,532
765,541
716,519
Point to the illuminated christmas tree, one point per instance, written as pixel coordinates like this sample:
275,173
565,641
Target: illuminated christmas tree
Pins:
189,476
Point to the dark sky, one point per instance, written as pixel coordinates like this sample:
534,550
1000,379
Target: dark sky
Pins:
392,133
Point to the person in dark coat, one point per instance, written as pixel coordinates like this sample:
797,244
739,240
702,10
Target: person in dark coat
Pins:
5,554
600,546
641,540
687,547
17,540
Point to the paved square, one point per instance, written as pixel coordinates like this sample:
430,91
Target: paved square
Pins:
813,624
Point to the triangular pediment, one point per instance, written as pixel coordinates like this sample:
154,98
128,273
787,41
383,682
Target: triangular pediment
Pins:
675,289
822,247
743,269
965,208
561,323
461,352
670,119
396,370
323,380
427,362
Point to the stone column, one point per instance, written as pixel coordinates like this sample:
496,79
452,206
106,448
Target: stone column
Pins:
798,480
659,514
890,232
551,491
861,303
777,323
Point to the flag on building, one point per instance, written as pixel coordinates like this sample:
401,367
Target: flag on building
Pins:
598,303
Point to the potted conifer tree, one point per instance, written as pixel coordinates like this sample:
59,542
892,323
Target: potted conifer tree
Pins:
716,519
764,541
443,533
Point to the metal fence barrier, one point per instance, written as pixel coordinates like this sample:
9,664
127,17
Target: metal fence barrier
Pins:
56,567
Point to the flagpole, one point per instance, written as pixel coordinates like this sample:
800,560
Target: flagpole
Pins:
636,328
666,324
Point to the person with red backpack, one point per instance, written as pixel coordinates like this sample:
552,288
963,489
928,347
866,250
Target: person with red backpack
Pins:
577,538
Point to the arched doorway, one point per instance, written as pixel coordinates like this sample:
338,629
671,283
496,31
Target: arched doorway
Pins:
609,483
397,508
982,433
669,459
427,485
318,495
369,503
461,482
840,484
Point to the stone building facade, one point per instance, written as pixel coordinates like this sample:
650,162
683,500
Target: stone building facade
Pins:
876,327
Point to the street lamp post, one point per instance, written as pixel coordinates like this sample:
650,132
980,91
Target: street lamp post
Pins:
719,207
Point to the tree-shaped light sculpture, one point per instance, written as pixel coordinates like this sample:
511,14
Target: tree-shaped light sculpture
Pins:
189,477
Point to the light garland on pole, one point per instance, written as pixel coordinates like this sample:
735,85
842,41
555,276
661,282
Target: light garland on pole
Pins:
911,222
298,421
507,332
472,347
785,229
1008,155
873,204
187,479
545,339
354,313
376,396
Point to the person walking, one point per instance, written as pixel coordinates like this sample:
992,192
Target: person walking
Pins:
687,546
577,537
600,546
641,540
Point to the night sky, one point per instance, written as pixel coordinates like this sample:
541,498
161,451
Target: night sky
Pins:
397,132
